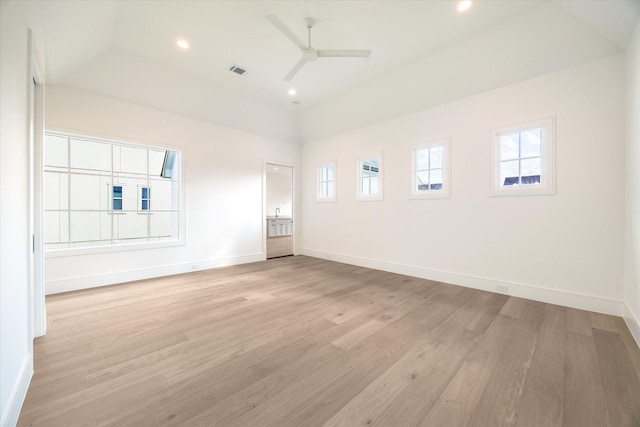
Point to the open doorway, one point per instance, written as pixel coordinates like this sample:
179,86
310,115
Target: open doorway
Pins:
279,209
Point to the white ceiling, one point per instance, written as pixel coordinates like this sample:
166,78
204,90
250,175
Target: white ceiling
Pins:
222,33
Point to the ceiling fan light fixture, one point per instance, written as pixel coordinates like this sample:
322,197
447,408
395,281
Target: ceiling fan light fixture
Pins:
463,5
292,92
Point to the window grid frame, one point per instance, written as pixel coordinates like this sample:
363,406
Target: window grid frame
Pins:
322,184
360,196
546,185
115,244
445,191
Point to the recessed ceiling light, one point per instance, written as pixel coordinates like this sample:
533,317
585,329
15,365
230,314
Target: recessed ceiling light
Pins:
292,91
463,5
182,44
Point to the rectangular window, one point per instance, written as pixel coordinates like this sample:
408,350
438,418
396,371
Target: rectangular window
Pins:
326,182
523,159
145,198
95,191
116,198
431,170
370,177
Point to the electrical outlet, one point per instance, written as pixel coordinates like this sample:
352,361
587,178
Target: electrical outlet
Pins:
196,267
502,288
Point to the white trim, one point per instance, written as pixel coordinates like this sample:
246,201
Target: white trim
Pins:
87,250
632,323
533,292
445,192
294,211
19,393
547,162
319,197
119,247
97,280
38,317
370,197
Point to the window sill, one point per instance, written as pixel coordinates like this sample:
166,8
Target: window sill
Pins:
378,198
325,199
89,250
430,195
522,191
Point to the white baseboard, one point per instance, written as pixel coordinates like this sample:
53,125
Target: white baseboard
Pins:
632,323
18,394
582,301
97,280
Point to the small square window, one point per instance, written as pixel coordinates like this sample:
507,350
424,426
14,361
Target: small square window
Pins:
430,178
523,159
326,182
370,177
145,198
116,198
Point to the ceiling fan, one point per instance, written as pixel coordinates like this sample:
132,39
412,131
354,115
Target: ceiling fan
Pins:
308,52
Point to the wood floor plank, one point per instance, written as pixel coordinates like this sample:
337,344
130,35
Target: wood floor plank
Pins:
620,384
584,402
543,395
299,341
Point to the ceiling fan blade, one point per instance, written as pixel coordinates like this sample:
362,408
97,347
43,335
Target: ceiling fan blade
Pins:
344,53
286,31
295,69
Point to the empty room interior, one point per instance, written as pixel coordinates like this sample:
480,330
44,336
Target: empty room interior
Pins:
320,213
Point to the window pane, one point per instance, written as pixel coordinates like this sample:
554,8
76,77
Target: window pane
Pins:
436,157
530,143
365,186
145,205
323,173
374,163
531,171
509,173
509,146
374,185
117,204
329,189
422,159
422,181
91,155
436,176
330,173
365,164
56,151
117,191
145,192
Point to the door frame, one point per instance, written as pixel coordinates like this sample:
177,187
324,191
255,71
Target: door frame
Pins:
294,212
35,123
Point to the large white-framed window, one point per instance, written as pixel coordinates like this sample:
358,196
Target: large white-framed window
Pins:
97,194
430,170
326,182
522,158
370,177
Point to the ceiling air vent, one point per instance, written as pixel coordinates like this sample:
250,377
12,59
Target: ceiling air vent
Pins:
238,70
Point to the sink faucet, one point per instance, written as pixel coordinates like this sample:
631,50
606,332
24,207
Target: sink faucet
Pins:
277,212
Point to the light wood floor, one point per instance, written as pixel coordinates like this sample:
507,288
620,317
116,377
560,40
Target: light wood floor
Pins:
299,341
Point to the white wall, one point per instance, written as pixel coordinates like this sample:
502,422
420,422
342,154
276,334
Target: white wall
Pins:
223,170
130,78
565,248
483,62
16,342
279,192
632,242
